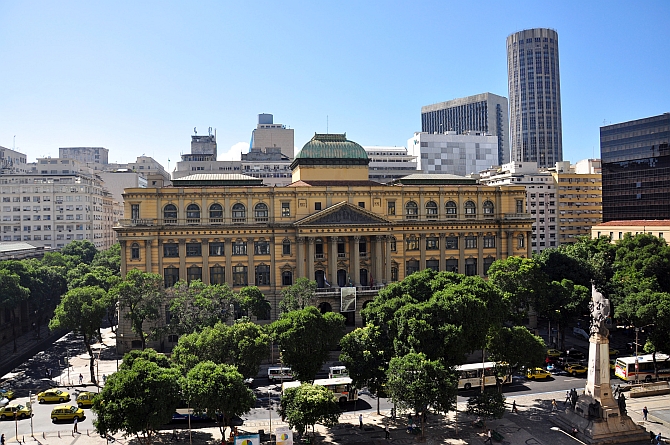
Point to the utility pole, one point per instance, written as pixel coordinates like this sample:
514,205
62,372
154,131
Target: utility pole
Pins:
637,364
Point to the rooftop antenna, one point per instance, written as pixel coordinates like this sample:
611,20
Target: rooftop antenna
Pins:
14,143
326,124
209,130
195,131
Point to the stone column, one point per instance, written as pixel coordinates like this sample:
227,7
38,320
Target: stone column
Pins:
160,258
378,259
274,277
510,243
356,278
443,246
251,270
461,252
181,211
300,256
499,241
387,275
310,258
124,256
422,251
147,254
182,259
228,250
480,254
205,261
204,219
529,252
332,261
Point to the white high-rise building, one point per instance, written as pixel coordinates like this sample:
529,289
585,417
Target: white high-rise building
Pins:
455,154
389,163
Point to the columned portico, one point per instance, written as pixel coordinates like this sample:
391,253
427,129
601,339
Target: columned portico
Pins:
357,261
378,260
310,258
332,260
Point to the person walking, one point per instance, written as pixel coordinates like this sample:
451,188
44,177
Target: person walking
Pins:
2,440
658,439
386,430
360,421
554,407
645,412
74,428
488,437
567,398
81,379
514,408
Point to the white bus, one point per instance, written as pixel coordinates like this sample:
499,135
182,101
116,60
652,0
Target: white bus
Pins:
470,375
279,374
624,367
337,371
341,387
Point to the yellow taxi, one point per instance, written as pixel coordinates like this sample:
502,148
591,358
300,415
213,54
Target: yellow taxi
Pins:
614,351
553,353
576,369
85,398
53,395
66,412
6,393
15,410
537,374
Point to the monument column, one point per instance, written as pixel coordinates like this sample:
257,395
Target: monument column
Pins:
310,258
357,262
332,261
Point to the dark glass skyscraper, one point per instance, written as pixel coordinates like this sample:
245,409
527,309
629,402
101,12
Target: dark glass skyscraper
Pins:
535,96
636,169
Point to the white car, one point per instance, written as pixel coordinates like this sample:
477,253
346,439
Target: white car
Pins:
581,333
4,401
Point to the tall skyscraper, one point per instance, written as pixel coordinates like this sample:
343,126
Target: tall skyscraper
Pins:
535,96
636,169
482,112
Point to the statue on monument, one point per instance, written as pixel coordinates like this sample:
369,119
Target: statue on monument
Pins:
600,311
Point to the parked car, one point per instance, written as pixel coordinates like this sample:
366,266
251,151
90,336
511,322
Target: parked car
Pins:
15,410
66,412
84,399
614,352
563,362
53,395
553,353
580,333
576,369
8,393
537,374
574,353
4,401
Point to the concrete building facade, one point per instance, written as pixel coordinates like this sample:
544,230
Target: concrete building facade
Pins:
616,230
486,113
535,97
270,135
452,153
87,155
389,163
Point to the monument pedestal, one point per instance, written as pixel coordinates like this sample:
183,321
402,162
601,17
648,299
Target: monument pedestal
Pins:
598,417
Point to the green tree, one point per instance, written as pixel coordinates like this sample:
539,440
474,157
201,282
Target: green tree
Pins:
251,299
82,310
12,295
83,250
110,258
148,354
487,405
218,390
244,344
415,383
137,400
306,336
522,282
366,356
517,347
307,405
298,296
195,306
140,296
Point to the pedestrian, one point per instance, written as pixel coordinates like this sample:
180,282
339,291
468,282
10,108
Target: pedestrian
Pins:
81,379
645,412
386,430
553,405
514,409
74,428
174,435
360,421
2,440
658,438
49,372
104,378
567,398
488,437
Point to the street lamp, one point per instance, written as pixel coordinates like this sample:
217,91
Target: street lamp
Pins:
637,364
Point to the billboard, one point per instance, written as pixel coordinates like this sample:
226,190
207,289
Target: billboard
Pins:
348,299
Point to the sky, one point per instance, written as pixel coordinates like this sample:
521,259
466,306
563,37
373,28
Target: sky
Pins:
137,77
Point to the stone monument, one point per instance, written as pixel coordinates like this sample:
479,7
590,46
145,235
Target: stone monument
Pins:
597,415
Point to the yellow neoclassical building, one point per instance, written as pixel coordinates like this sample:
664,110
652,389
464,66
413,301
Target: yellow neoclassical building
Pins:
331,224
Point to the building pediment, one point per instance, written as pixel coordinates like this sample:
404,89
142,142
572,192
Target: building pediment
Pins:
340,214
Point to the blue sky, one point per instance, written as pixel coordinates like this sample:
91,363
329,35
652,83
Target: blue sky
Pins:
137,76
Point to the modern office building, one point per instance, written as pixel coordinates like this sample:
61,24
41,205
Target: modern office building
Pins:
485,113
636,169
12,161
389,163
87,155
541,198
331,224
270,135
535,97
453,153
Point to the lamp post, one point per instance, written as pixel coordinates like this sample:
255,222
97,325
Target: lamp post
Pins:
637,364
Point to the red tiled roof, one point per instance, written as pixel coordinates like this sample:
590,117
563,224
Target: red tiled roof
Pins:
638,222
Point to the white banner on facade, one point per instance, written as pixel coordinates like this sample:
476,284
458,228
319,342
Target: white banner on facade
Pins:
348,299
284,436
249,439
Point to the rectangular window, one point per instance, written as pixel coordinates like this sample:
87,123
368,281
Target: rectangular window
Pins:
261,247
317,206
390,207
394,274
519,206
193,249
433,264
470,242
451,242
262,275
239,275
470,267
216,249
171,276
489,242
412,266
432,243
171,250
217,275
194,273
452,265
361,204
240,247
285,209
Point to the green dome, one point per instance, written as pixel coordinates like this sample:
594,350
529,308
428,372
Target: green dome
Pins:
332,146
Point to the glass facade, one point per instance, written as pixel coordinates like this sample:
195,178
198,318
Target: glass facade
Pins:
636,169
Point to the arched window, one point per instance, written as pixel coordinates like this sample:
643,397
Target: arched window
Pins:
287,278
452,209
411,210
520,241
170,214
261,212
318,248
135,251
216,213
488,208
192,214
286,247
431,209
412,243
239,213
470,209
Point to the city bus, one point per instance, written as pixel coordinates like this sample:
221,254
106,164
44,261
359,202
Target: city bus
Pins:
470,375
624,367
341,387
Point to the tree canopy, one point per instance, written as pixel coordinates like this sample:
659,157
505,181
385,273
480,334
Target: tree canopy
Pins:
297,296
307,405
195,305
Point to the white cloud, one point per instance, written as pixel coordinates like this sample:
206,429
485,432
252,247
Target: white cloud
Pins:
234,152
